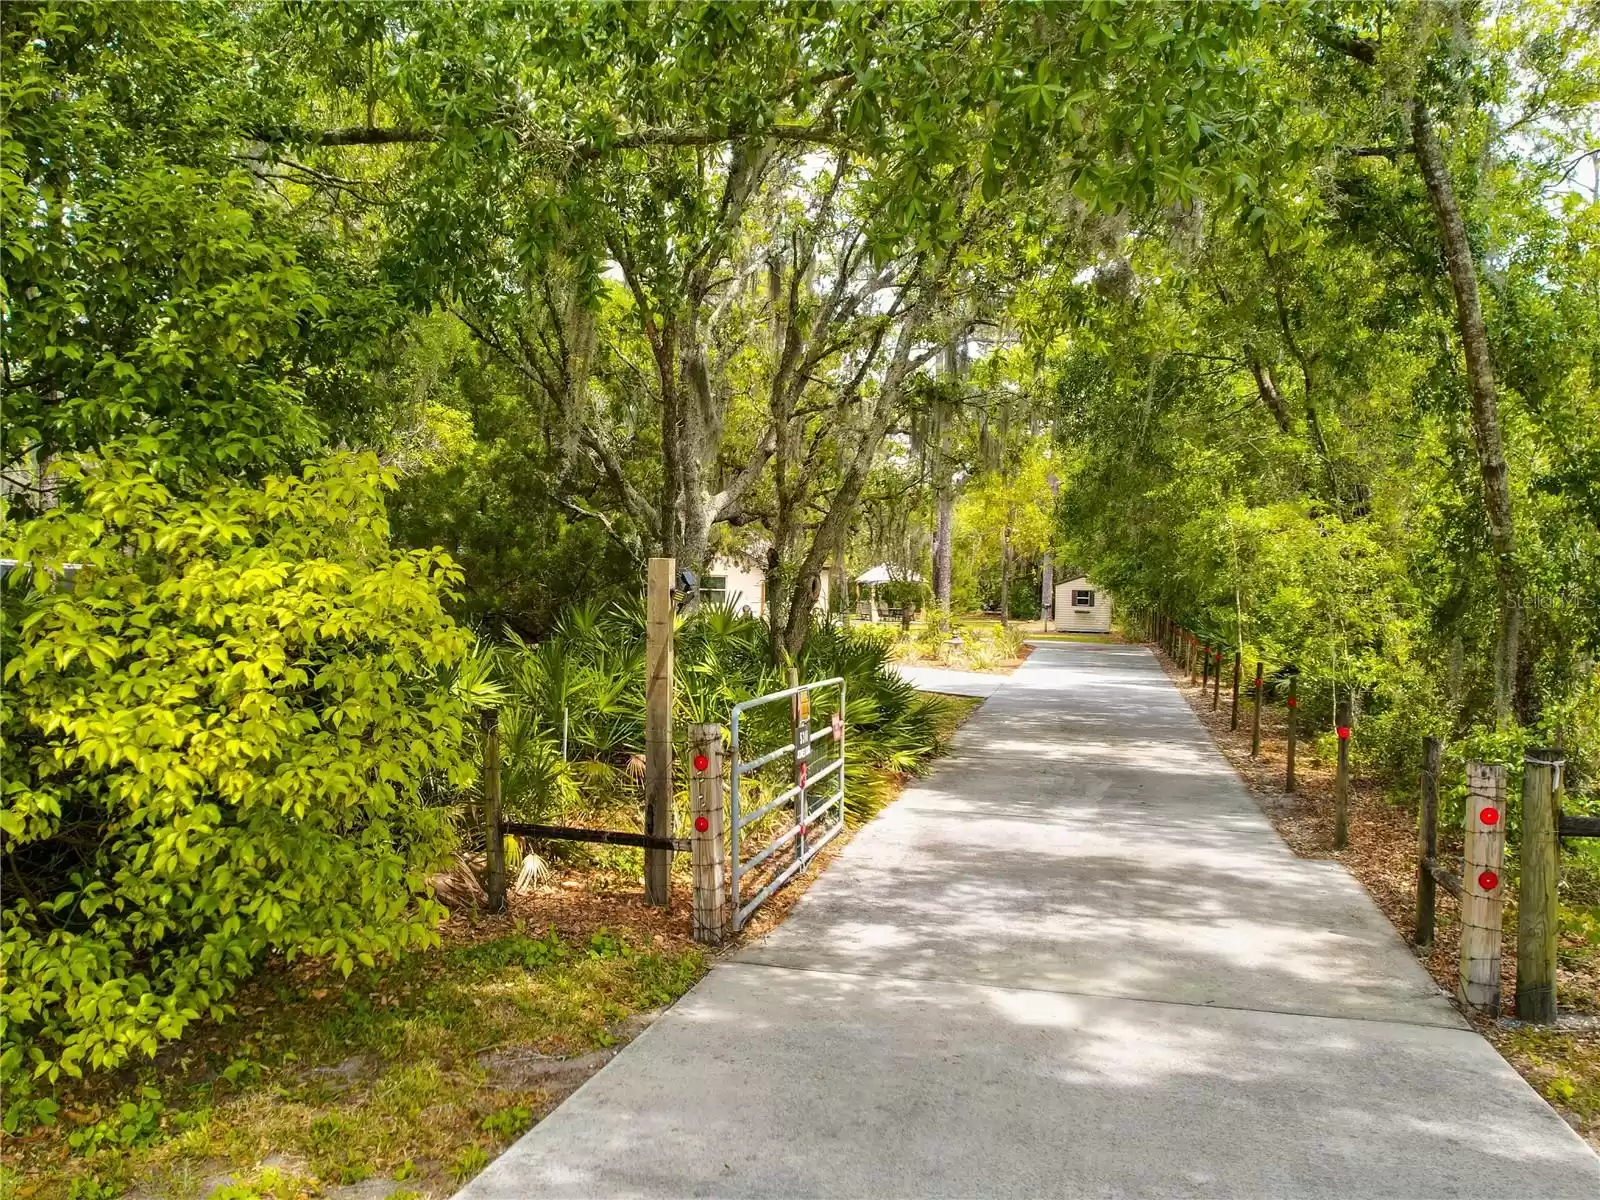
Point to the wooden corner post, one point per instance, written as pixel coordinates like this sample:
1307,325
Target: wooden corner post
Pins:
1291,730
1478,980
1341,777
1233,718
1536,899
658,728
494,841
1255,728
708,848
1427,840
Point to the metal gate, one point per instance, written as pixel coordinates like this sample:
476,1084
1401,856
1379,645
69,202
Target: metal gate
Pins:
814,824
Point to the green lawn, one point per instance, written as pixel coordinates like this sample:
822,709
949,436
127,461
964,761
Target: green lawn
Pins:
419,1073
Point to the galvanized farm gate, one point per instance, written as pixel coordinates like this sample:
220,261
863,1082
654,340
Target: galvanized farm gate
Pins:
816,822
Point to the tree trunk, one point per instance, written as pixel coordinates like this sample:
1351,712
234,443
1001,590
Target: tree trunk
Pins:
671,482
840,509
1267,388
1047,588
943,549
839,583
1485,406
777,613
1005,573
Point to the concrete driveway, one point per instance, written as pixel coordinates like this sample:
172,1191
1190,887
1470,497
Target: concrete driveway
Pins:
981,684
1076,960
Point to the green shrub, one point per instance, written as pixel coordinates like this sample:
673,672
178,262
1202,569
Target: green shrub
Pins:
217,729
593,668
910,594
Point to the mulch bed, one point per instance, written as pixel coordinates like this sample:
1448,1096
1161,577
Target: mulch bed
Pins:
1382,855
580,903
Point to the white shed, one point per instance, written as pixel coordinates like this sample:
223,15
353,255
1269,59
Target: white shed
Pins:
1081,607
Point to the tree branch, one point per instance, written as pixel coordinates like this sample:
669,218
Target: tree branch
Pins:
640,508
636,139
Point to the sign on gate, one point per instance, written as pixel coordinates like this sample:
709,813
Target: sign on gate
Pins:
814,824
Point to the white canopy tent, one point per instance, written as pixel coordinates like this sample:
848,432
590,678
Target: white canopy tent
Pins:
882,573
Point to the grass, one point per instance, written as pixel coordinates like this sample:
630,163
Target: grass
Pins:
1562,1066
419,1073
952,713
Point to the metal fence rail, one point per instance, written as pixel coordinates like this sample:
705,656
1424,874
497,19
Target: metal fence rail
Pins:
815,823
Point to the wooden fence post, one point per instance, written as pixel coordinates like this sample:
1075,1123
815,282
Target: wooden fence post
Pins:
1216,682
707,846
1427,841
658,729
1255,732
1341,778
1292,730
1205,667
1536,898
1233,720
494,844
1478,978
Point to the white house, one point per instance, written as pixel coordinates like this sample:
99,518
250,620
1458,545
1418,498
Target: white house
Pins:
738,579
1081,607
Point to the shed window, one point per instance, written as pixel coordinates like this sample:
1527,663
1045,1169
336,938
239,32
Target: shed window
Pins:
714,589
1082,597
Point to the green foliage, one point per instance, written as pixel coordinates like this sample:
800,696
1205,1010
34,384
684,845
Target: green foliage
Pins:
382,1073
905,594
135,1123
220,715
1267,431
156,292
469,1162
591,668
507,1123
481,478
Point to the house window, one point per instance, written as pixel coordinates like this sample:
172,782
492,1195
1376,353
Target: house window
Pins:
714,589
1082,598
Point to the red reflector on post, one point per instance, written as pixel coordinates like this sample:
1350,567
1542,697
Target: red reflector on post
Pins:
701,762
1488,880
1490,816
1344,733
701,824
1293,703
